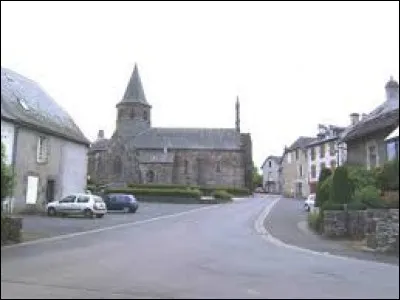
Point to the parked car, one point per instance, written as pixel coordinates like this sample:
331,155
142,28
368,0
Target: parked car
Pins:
75,204
124,202
309,202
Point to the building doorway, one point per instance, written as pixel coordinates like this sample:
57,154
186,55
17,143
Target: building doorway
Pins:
50,190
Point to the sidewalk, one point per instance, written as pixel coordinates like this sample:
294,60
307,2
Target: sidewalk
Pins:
288,223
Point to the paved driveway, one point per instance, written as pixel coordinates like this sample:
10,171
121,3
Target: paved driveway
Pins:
43,226
209,253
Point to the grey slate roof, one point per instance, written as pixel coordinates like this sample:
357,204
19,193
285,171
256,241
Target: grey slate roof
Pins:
156,157
385,115
188,138
277,159
99,145
134,91
41,111
301,142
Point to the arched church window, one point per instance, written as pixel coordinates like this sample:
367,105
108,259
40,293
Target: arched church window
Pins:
145,116
186,166
218,166
150,176
132,113
117,165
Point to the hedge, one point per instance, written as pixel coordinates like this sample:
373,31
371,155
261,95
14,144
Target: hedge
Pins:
223,195
332,206
206,191
356,206
157,192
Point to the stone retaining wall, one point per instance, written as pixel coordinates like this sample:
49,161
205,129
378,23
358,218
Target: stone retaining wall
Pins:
379,226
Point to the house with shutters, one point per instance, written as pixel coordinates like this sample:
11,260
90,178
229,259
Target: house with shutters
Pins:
46,150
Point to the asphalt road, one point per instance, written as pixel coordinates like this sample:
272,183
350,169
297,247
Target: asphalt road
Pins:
213,252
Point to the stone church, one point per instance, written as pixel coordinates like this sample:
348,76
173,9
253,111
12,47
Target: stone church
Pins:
140,153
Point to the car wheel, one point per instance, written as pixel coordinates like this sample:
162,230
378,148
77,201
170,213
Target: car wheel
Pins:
51,211
133,210
127,209
88,213
99,216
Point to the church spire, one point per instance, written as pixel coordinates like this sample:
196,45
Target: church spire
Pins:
237,109
134,91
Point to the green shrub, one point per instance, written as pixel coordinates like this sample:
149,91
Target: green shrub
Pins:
223,195
323,191
208,191
360,177
356,206
388,176
370,196
391,199
11,228
157,192
332,206
161,186
315,221
7,177
341,189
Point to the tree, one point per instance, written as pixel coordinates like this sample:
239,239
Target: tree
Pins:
322,194
341,189
257,177
7,178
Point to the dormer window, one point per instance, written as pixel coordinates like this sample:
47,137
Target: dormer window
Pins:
23,103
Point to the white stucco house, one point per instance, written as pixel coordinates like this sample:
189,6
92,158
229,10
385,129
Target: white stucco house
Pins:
46,150
270,173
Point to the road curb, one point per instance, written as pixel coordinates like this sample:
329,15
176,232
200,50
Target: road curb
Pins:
259,226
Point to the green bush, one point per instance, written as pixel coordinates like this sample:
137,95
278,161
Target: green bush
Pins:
341,189
11,228
388,176
192,193
223,195
332,206
208,191
315,221
322,197
161,186
323,191
360,177
356,206
7,177
370,196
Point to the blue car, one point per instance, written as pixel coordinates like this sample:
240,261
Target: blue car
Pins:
126,203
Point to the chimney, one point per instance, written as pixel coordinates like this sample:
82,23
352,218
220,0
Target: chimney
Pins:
392,90
363,116
354,118
100,135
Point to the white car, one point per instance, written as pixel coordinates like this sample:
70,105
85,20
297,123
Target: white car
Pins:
309,202
85,204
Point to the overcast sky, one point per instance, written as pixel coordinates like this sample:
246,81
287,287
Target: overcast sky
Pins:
293,65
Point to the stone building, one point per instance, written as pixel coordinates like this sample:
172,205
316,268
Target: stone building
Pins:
270,169
140,153
45,149
365,139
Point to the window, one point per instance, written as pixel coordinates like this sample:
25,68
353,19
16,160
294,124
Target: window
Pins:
312,153
150,176
270,164
297,154
218,167
333,164
322,166
145,116
132,113
289,157
185,166
332,148
372,156
83,199
42,149
313,171
392,150
68,199
322,150
300,171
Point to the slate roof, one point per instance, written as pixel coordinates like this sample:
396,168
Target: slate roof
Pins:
301,142
25,102
277,159
134,91
156,157
385,115
188,138
99,145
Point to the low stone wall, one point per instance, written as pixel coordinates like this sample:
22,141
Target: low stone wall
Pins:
167,199
379,226
11,228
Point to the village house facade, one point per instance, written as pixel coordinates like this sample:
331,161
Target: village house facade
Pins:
45,149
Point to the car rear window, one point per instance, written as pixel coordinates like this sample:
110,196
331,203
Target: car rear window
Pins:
97,199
